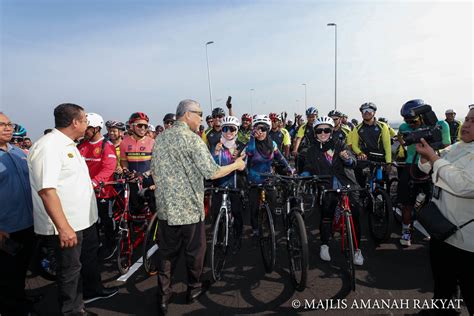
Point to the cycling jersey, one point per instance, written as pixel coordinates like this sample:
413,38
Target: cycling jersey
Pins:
281,138
257,163
243,136
411,149
454,130
212,138
101,162
137,153
224,158
372,138
341,133
306,135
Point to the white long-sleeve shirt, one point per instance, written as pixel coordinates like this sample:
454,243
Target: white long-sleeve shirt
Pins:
454,174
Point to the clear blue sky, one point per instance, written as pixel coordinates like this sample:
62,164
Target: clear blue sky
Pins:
114,57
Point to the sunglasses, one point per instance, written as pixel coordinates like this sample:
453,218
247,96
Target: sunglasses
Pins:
412,121
218,116
209,122
140,125
326,130
227,129
169,122
197,112
367,111
262,129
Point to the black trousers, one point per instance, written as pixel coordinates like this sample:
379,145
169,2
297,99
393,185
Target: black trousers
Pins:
235,207
13,274
451,267
77,270
171,239
104,207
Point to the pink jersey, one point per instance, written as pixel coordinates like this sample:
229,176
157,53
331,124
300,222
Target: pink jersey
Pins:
137,153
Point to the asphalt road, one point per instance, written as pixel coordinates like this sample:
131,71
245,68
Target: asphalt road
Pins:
390,275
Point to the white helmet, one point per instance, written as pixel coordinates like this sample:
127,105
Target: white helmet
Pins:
151,127
323,120
95,120
230,121
261,119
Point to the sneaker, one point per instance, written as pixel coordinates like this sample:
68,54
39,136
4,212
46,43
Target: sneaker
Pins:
255,233
106,292
358,258
324,253
405,240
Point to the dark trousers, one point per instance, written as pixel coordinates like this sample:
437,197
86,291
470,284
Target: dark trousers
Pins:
254,196
13,274
104,207
327,216
235,207
171,239
451,267
77,270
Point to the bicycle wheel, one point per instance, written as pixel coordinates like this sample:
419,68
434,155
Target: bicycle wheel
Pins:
380,215
349,249
219,245
150,247
267,237
124,248
298,250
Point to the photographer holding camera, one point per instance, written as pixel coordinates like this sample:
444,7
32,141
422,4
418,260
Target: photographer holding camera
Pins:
420,121
452,259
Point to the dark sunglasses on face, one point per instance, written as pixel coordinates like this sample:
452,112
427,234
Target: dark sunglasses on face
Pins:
412,121
169,122
227,129
140,125
326,130
262,129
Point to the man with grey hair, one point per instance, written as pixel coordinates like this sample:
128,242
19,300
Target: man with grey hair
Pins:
179,165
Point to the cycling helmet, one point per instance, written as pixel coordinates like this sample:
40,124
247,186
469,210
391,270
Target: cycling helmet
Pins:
261,119
19,131
95,120
138,116
230,121
274,117
115,124
383,119
323,120
208,118
246,117
335,113
218,112
368,105
406,110
449,111
151,128
169,117
311,111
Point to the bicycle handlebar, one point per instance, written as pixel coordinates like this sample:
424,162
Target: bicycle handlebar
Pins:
317,178
344,189
223,189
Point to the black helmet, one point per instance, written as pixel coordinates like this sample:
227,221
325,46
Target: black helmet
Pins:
208,118
383,119
368,105
218,112
407,108
169,117
335,113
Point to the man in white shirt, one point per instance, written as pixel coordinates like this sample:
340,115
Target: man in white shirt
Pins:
65,209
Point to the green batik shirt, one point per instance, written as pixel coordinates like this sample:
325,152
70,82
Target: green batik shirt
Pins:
180,163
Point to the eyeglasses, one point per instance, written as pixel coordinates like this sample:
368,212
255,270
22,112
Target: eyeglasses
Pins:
9,125
326,130
197,112
367,111
262,129
169,122
227,129
335,119
218,116
140,125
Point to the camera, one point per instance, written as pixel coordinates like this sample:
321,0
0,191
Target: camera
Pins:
431,133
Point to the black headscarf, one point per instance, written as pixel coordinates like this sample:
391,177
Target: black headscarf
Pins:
264,147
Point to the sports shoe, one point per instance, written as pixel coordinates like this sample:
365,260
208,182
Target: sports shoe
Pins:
358,258
324,253
405,240
255,233
105,292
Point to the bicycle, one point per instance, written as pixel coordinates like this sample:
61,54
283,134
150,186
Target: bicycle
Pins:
345,224
379,204
223,232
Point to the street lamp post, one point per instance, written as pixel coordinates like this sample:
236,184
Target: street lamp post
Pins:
209,74
305,104
251,101
335,63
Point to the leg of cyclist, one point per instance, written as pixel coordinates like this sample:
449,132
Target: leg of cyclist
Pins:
405,197
325,224
106,225
253,201
355,210
236,207
216,204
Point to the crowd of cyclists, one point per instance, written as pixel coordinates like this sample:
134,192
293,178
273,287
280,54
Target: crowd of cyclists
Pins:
318,144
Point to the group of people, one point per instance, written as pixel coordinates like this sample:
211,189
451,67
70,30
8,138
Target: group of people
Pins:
58,182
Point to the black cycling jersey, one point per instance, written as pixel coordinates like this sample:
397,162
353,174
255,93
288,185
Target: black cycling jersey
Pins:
369,138
453,130
339,135
277,137
213,138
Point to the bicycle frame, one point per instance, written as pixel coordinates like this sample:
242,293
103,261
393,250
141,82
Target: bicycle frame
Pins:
344,204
